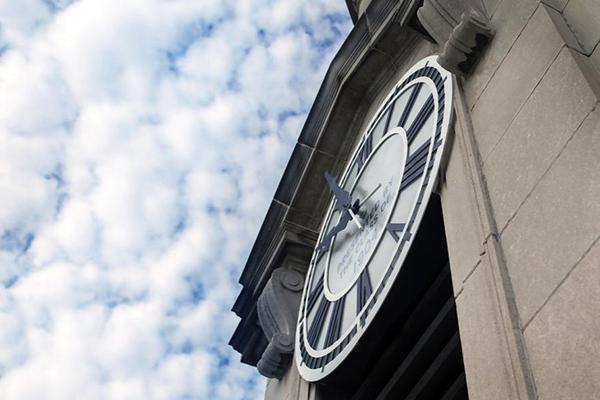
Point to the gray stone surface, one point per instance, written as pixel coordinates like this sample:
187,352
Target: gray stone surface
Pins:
508,20
556,4
277,309
564,338
583,16
505,310
537,135
515,79
595,57
491,6
557,223
487,364
463,233
589,69
563,29
595,61
290,387
440,17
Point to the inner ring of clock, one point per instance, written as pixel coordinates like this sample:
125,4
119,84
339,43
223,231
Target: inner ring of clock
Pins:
377,184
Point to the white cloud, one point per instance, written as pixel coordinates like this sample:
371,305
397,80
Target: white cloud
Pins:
142,141
21,18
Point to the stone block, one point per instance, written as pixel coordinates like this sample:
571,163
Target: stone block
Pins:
515,79
564,338
540,131
463,233
558,5
486,358
583,16
563,29
557,223
508,19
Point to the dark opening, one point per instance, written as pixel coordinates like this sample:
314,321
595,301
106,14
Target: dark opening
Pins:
412,349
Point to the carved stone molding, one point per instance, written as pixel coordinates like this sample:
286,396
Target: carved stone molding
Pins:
461,27
465,42
277,314
439,17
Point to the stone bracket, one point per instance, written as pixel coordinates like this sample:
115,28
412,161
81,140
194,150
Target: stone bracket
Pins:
463,29
277,310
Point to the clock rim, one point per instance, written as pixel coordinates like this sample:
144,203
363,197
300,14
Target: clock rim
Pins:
325,351
316,374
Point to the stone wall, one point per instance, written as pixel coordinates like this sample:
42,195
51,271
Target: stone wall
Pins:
521,204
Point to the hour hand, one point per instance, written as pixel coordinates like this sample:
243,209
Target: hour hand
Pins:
341,225
342,197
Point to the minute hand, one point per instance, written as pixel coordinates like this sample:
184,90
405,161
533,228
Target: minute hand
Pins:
369,195
342,197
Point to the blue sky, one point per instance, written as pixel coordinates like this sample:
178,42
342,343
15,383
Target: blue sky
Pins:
140,144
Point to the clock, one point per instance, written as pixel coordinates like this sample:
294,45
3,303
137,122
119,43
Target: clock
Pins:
378,204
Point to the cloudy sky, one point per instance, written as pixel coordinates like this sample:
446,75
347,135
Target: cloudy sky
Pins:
140,144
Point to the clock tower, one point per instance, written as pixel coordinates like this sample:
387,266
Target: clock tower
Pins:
435,234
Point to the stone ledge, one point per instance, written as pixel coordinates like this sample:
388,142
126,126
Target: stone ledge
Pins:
487,362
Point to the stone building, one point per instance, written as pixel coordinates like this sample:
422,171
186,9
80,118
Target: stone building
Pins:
509,307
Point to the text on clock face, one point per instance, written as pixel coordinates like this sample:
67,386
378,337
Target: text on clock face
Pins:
363,242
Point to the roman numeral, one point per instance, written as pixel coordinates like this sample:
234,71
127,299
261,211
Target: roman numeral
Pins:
395,230
314,295
364,290
320,254
420,119
411,102
317,323
335,322
415,165
388,117
364,152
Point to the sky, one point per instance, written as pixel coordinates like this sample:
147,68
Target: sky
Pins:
140,144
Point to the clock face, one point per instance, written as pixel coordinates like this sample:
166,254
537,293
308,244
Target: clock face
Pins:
378,204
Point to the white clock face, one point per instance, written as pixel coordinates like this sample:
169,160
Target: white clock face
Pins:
378,204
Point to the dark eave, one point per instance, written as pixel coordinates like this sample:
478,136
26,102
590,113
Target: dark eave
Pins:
352,10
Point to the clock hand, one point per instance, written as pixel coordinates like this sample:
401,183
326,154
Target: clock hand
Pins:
342,197
369,196
355,218
341,225
344,205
